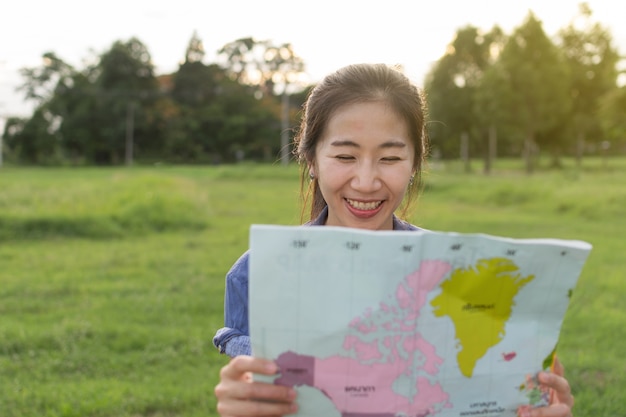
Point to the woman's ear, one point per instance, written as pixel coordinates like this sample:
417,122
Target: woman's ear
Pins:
311,170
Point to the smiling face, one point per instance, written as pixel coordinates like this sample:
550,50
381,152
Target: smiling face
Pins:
363,164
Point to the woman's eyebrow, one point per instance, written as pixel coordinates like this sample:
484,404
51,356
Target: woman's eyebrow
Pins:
389,144
393,144
345,142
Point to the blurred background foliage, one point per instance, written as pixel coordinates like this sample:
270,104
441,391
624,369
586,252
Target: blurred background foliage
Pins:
490,94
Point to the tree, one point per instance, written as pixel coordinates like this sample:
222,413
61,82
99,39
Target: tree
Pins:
493,90
126,87
262,64
194,87
116,107
195,49
452,84
217,117
92,115
37,140
195,83
41,82
30,141
273,69
77,108
593,64
612,108
535,93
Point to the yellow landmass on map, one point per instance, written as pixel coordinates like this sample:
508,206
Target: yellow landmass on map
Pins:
479,300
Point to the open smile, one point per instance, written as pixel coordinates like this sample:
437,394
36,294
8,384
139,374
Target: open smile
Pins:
364,205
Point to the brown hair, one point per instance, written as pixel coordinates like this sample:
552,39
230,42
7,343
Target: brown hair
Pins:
356,84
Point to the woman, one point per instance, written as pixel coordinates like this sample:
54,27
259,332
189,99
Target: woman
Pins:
362,145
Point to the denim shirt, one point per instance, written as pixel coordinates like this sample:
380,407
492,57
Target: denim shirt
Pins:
233,339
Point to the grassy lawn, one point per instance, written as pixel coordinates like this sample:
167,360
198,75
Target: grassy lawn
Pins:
111,280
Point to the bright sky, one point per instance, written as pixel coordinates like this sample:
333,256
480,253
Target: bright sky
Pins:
327,34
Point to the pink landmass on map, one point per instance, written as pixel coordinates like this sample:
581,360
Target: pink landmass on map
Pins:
364,351
363,386
412,296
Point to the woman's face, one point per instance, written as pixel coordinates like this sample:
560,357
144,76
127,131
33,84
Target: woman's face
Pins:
364,162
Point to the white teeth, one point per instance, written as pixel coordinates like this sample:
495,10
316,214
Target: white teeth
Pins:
364,206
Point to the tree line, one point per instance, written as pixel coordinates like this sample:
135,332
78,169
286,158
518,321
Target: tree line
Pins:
523,93
489,94
117,110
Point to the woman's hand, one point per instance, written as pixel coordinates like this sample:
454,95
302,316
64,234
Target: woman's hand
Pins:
239,395
561,398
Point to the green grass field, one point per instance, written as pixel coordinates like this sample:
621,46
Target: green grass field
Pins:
111,280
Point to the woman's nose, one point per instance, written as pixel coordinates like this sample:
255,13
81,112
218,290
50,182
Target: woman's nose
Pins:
366,178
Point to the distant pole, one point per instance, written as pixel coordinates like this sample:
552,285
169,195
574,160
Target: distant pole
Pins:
604,146
130,122
284,131
580,149
491,149
493,143
465,151
2,125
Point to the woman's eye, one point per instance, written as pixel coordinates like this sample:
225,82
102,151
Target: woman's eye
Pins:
391,158
344,157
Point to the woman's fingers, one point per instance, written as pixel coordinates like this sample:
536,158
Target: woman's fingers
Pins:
238,395
557,367
561,398
239,407
555,410
561,392
240,365
247,391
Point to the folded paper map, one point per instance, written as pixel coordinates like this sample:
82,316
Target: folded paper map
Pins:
404,323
